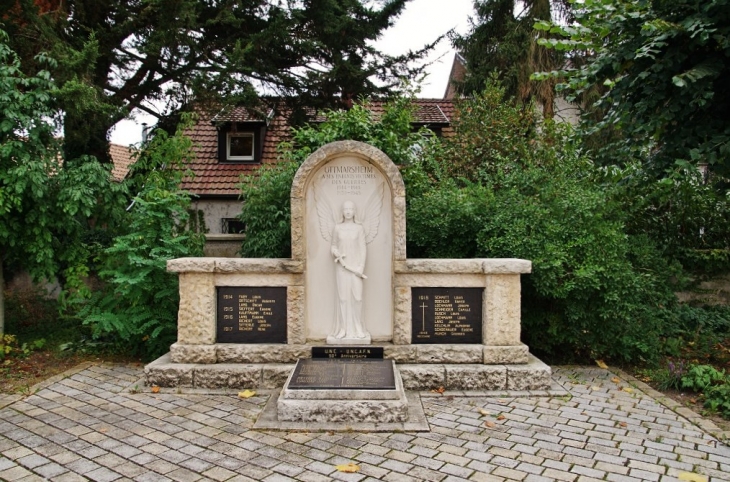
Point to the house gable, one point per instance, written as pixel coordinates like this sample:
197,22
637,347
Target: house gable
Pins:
218,176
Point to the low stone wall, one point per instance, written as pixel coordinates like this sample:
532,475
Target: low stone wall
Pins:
500,279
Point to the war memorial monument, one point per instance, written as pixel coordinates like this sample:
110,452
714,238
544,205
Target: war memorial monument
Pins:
348,325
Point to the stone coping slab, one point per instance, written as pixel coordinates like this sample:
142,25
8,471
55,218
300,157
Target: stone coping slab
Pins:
235,265
464,266
408,266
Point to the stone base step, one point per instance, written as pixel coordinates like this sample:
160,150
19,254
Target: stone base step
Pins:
533,375
278,353
344,405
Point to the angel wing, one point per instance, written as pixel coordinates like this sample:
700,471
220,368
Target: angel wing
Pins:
371,214
325,213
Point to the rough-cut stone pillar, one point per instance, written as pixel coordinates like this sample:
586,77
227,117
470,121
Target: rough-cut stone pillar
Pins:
402,316
296,333
502,310
196,316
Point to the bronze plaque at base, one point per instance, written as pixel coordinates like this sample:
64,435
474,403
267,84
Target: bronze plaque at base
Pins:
343,374
446,315
355,352
251,314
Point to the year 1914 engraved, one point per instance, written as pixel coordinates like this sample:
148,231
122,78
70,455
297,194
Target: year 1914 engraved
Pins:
251,314
446,315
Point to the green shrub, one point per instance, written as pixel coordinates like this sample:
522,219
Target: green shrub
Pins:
445,221
267,211
594,292
137,307
699,378
688,217
714,386
584,295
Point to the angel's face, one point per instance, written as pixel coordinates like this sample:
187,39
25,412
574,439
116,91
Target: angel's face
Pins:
348,210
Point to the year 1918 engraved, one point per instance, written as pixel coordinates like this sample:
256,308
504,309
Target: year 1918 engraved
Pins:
446,315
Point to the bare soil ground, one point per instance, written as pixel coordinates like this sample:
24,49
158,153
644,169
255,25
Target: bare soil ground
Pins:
17,375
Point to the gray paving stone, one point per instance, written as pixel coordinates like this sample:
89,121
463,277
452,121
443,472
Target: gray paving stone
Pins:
102,474
86,424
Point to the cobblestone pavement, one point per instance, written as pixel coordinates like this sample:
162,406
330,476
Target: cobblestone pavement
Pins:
87,426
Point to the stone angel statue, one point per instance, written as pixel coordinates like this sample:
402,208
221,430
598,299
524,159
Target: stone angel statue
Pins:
349,235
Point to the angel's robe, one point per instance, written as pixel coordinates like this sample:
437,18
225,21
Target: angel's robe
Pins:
348,239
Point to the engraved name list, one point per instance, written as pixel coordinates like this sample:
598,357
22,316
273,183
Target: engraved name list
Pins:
251,315
446,315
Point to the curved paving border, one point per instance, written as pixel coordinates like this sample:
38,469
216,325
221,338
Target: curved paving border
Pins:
703,423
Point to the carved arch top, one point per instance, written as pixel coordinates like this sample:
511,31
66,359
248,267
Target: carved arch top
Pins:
333,150
366,153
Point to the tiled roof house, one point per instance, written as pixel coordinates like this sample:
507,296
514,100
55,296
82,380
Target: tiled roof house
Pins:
236,141
122,159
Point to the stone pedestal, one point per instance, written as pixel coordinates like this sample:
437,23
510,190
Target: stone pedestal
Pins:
343,405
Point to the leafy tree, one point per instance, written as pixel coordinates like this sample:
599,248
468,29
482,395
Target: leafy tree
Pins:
502,40
44,201
666,66
138,303
116,56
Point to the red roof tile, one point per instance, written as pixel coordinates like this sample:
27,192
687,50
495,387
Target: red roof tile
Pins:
122,159
213,178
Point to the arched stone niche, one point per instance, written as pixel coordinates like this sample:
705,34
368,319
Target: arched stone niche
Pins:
338,172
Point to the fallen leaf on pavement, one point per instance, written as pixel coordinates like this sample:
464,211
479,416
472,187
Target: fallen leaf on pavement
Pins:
692,477
622,424
616,380
601,364
440,390
628,390
501,417
155,389
349,468
484,412
246,394
489,424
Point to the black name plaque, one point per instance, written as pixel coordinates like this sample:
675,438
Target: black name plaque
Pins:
356,352
251,314
446,315
336,374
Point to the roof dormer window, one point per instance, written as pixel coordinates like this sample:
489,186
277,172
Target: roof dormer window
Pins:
240,142
240,146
